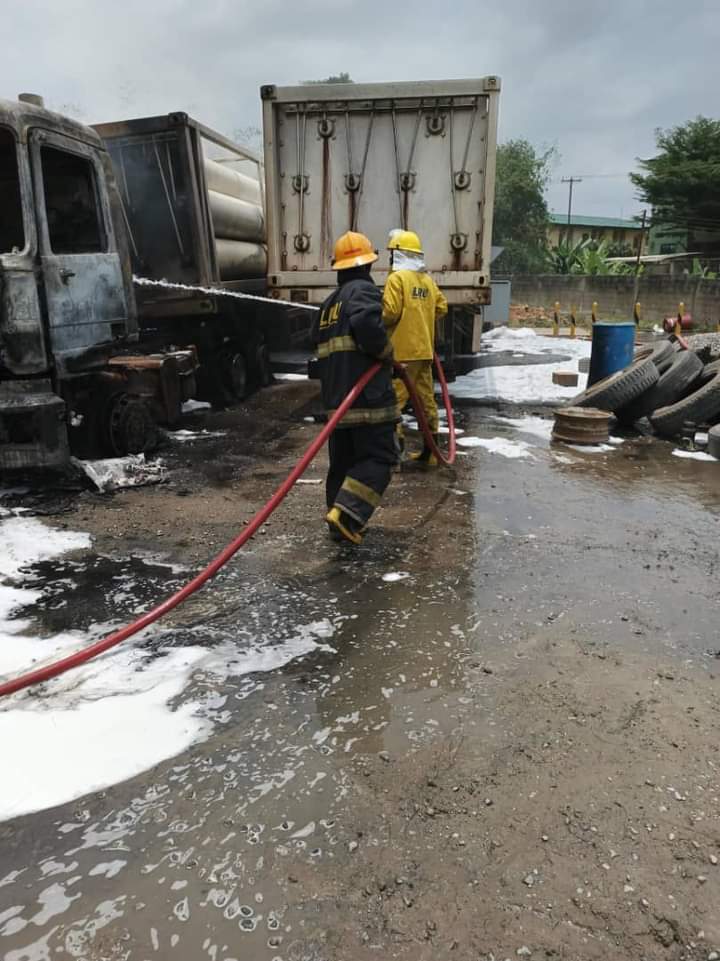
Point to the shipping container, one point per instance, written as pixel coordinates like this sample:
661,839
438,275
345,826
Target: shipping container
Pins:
192,200
193,207
374,157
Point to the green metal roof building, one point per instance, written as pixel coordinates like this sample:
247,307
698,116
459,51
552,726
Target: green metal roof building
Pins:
615,230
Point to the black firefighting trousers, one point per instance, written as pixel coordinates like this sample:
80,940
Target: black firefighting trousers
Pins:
361,463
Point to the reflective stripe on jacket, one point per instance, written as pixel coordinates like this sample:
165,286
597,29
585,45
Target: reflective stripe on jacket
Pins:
350,337
412,302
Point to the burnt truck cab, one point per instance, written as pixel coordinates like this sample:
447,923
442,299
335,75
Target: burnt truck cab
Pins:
68,319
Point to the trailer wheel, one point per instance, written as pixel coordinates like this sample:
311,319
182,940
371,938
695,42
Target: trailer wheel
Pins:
262,365
129,425
234,374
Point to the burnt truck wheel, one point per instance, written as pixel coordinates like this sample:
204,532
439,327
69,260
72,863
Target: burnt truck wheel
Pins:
129,426
262,366
685,368
619,389
698,408
234,374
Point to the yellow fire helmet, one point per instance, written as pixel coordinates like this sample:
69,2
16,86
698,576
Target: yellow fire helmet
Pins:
353,250
404,240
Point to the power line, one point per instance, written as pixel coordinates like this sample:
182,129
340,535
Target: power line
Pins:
594,177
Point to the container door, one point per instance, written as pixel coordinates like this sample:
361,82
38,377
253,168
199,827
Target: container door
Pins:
85,296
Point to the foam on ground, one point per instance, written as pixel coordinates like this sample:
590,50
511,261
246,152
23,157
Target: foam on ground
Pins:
499,445
522,383
534,426
695,455
117,715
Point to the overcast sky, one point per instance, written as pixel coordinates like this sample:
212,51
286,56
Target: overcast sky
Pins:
593,79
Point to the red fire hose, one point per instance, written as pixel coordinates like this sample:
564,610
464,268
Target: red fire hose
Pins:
80,657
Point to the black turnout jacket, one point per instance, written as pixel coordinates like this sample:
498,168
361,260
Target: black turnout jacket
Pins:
350,336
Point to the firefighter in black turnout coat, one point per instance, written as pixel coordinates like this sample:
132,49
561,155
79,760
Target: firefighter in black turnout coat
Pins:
350,337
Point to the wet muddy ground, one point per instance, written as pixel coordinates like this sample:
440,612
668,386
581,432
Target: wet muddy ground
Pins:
503,742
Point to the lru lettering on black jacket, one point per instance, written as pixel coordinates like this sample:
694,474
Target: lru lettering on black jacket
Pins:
329,316
350,337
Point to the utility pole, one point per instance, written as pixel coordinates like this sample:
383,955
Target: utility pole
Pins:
636,285
570,181
641,241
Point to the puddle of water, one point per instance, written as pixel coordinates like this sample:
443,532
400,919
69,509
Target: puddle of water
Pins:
598,536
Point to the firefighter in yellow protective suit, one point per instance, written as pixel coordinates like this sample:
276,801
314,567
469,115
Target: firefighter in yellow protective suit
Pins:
412,303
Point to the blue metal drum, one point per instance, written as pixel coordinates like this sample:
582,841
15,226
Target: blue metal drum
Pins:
612,349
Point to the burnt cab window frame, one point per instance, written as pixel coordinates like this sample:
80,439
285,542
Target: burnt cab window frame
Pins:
42,138
23,167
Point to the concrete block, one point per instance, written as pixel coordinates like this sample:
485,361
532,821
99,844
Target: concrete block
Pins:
565,378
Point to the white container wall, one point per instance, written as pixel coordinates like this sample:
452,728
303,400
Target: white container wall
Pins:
373,157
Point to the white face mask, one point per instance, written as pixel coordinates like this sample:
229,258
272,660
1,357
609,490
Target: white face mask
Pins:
407,260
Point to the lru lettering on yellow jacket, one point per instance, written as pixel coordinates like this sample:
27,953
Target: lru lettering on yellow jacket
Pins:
412,303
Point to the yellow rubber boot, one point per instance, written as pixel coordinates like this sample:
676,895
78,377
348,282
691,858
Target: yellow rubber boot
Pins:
342,524
426,456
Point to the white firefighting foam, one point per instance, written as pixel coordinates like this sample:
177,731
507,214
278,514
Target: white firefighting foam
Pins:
523,383
117,715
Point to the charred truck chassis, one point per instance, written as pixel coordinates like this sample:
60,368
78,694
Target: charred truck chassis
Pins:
227,336
73,375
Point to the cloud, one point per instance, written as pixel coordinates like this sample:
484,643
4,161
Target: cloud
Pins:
595,80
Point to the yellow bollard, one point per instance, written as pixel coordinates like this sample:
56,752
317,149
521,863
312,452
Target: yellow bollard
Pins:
573,322
556,319
594,311
678,321
717,327
636,313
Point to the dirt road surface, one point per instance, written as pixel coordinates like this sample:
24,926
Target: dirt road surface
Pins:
505,744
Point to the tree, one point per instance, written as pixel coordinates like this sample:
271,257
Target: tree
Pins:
338,78
521,213
586,257
620,249
682,183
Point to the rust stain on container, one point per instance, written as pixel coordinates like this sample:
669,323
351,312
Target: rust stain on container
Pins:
353,208
326,239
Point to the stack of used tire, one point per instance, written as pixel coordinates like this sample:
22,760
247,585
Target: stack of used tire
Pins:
666,384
